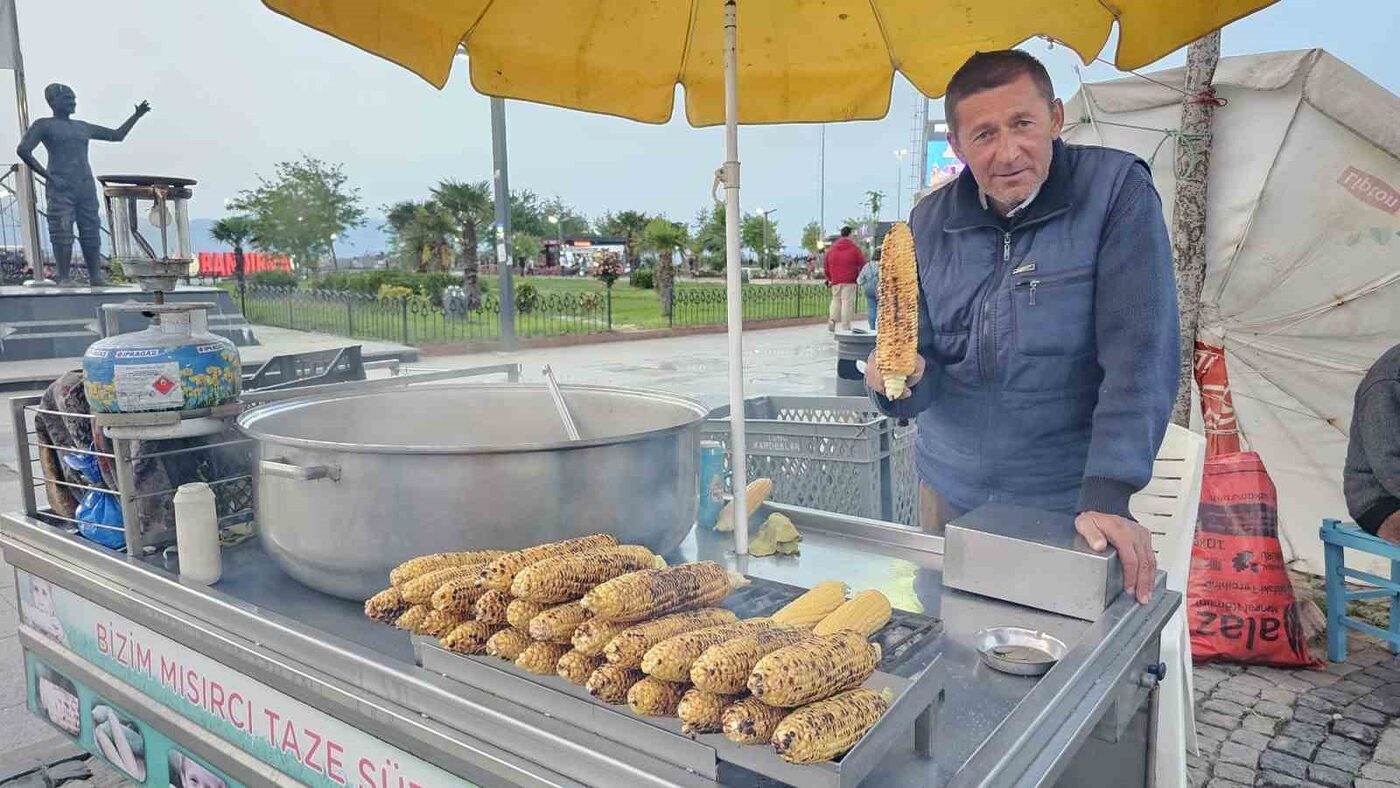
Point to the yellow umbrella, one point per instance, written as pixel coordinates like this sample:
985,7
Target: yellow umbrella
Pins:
797,61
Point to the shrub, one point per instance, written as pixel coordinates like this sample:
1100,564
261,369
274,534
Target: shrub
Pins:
272,279
394,291
642,278
526,298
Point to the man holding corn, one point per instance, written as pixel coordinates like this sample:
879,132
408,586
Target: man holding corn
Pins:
1047,356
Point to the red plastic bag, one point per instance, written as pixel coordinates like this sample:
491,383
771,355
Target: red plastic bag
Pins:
1240,603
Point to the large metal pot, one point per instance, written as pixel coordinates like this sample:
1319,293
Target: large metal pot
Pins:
348,486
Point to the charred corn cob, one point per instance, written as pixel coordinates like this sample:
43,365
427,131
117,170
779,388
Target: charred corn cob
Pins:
458,596
825,729
701,712
755,493
490,607
609,683
654,697
500,573
508,643
656,592
815,668
520,611
420,590
813,606
570,576
750,721
423,564
865,613
725,668
469,637
897,345
438,623
577,666
671,659
386,606
557,624
412,617
541,657
629,646
593,635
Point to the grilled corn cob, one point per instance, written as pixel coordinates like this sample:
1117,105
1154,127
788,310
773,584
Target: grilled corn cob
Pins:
656,592
654,697
701,712
386,606
469,637
725,668
629,646
491,607
577,666
609,683
865,613
570,576
541,657
815,668
520,611
423,564
508,643
500,573
557,624
593,635
755,493
671,659
897,343
458,596
438,623
750,721
420,590
825,729
814,605
412,617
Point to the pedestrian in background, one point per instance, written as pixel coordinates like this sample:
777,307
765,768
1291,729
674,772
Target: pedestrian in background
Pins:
842,264
869,282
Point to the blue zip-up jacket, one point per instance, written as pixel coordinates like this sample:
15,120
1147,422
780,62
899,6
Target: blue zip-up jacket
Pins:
1051,339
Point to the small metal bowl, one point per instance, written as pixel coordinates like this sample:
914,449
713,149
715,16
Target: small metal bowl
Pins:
1024,652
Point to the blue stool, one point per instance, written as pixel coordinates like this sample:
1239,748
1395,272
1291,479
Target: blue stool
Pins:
1337,535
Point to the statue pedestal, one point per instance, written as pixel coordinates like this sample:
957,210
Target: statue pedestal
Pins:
58,322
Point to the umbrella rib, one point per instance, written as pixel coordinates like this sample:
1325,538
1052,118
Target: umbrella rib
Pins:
685,53
472,27
884,34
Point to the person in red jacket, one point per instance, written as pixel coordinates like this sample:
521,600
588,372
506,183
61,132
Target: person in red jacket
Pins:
842,264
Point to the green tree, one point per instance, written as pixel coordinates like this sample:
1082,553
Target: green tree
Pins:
628,225
873,200
397,217
234,231
525,246
428,237
812,237
571,222
298,210
708,237
665,237
759,234
471,208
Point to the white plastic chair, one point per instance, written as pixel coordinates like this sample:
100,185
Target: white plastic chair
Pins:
1167,507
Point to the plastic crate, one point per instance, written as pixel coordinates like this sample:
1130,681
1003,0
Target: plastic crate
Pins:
839,454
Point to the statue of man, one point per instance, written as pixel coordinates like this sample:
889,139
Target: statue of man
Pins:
72,194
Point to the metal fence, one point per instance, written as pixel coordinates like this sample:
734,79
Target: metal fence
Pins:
701,305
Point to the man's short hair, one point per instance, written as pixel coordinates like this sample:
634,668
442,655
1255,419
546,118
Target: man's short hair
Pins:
989,70
846,231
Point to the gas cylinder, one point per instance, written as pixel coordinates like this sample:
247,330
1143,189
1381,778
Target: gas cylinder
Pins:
176,363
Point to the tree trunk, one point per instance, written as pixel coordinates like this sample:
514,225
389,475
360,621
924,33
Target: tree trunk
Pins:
239,268
471,267
1189,217
665,274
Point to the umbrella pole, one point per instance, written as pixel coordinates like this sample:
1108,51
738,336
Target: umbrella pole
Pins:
734,283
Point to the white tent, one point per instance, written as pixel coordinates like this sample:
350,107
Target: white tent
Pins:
1303,250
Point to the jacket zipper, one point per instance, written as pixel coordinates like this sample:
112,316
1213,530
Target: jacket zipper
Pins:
984,340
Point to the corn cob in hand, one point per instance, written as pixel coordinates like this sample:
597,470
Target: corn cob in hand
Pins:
813,669
897,343
570,576
825,729
656,592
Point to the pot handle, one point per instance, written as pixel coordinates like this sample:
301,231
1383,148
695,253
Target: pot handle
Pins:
303,473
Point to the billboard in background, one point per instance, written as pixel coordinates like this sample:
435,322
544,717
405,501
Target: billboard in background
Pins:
943,166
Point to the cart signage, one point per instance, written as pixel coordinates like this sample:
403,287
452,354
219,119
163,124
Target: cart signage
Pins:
293,737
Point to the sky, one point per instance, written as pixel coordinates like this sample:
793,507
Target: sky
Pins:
236,88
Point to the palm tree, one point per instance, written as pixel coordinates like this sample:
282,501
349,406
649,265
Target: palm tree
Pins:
397,219
470,205
664,237
628,224
428,235
234,231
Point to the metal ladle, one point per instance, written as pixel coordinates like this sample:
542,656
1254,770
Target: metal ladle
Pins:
558,396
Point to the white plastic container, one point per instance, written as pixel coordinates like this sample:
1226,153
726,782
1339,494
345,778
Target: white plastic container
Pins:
197,533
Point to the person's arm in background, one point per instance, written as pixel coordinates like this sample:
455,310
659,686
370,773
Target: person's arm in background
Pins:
826,265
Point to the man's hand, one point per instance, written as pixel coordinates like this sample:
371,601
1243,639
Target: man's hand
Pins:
143,108
876,381
1134,544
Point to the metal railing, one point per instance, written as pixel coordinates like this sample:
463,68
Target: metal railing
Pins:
698,306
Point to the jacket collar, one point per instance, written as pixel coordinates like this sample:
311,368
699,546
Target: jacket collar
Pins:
1052,199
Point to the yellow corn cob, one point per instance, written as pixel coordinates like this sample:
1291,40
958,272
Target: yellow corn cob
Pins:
629,646
750,721
413,617
491,607
825,729
725,668
508,643
458,596
755,493
897,343
438,623
423,564
541,657
815,668
655,592
609,683
557,624
469,637
593,635
654,697
701,712
520,611
570,576
814,605
866,612
420,590
501,572
671,659
386,606
576,666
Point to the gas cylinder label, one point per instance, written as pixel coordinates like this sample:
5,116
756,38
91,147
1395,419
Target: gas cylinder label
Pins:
149,386
175,323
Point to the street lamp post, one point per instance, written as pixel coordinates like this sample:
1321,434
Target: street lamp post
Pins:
558,240
898,179
763,236
335,264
